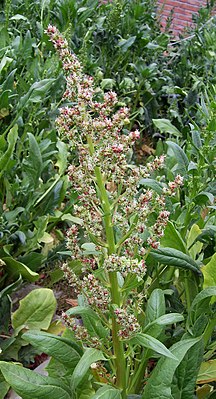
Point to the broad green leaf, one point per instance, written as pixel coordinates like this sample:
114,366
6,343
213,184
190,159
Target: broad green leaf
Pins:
194,247
125,44
184,380
90,356
151,343
155,306
196,139
180,157
165,126
207,372
153,184
107,392
200,303
62,157
209,273
173,257
173,239
15,268
160,383
35,311
30,385
59,348
36,92
33,164
5,158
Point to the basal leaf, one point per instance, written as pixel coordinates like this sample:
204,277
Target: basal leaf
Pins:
185,376
35,311
160,383
59,348
30,385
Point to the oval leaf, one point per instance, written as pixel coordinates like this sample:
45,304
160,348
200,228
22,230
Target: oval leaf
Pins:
35,311
60,348
30,385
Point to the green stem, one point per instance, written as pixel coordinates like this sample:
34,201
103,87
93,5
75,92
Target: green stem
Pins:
137,380
118,346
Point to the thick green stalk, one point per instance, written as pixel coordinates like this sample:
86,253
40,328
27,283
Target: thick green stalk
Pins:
137,380
118,346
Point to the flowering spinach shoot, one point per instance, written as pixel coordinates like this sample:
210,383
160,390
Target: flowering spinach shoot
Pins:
116,236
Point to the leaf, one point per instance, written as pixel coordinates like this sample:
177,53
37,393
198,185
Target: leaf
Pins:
164,320
125,44
207,372
61,349
180,157
11,139
196,139
37,91
153,184
193,246
165,126
173,257
90,356
200,304
155,306
160,383
173,239
62,157
15,268
33,164
151,343
184,380
107,392
209,273
35,311
30,385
